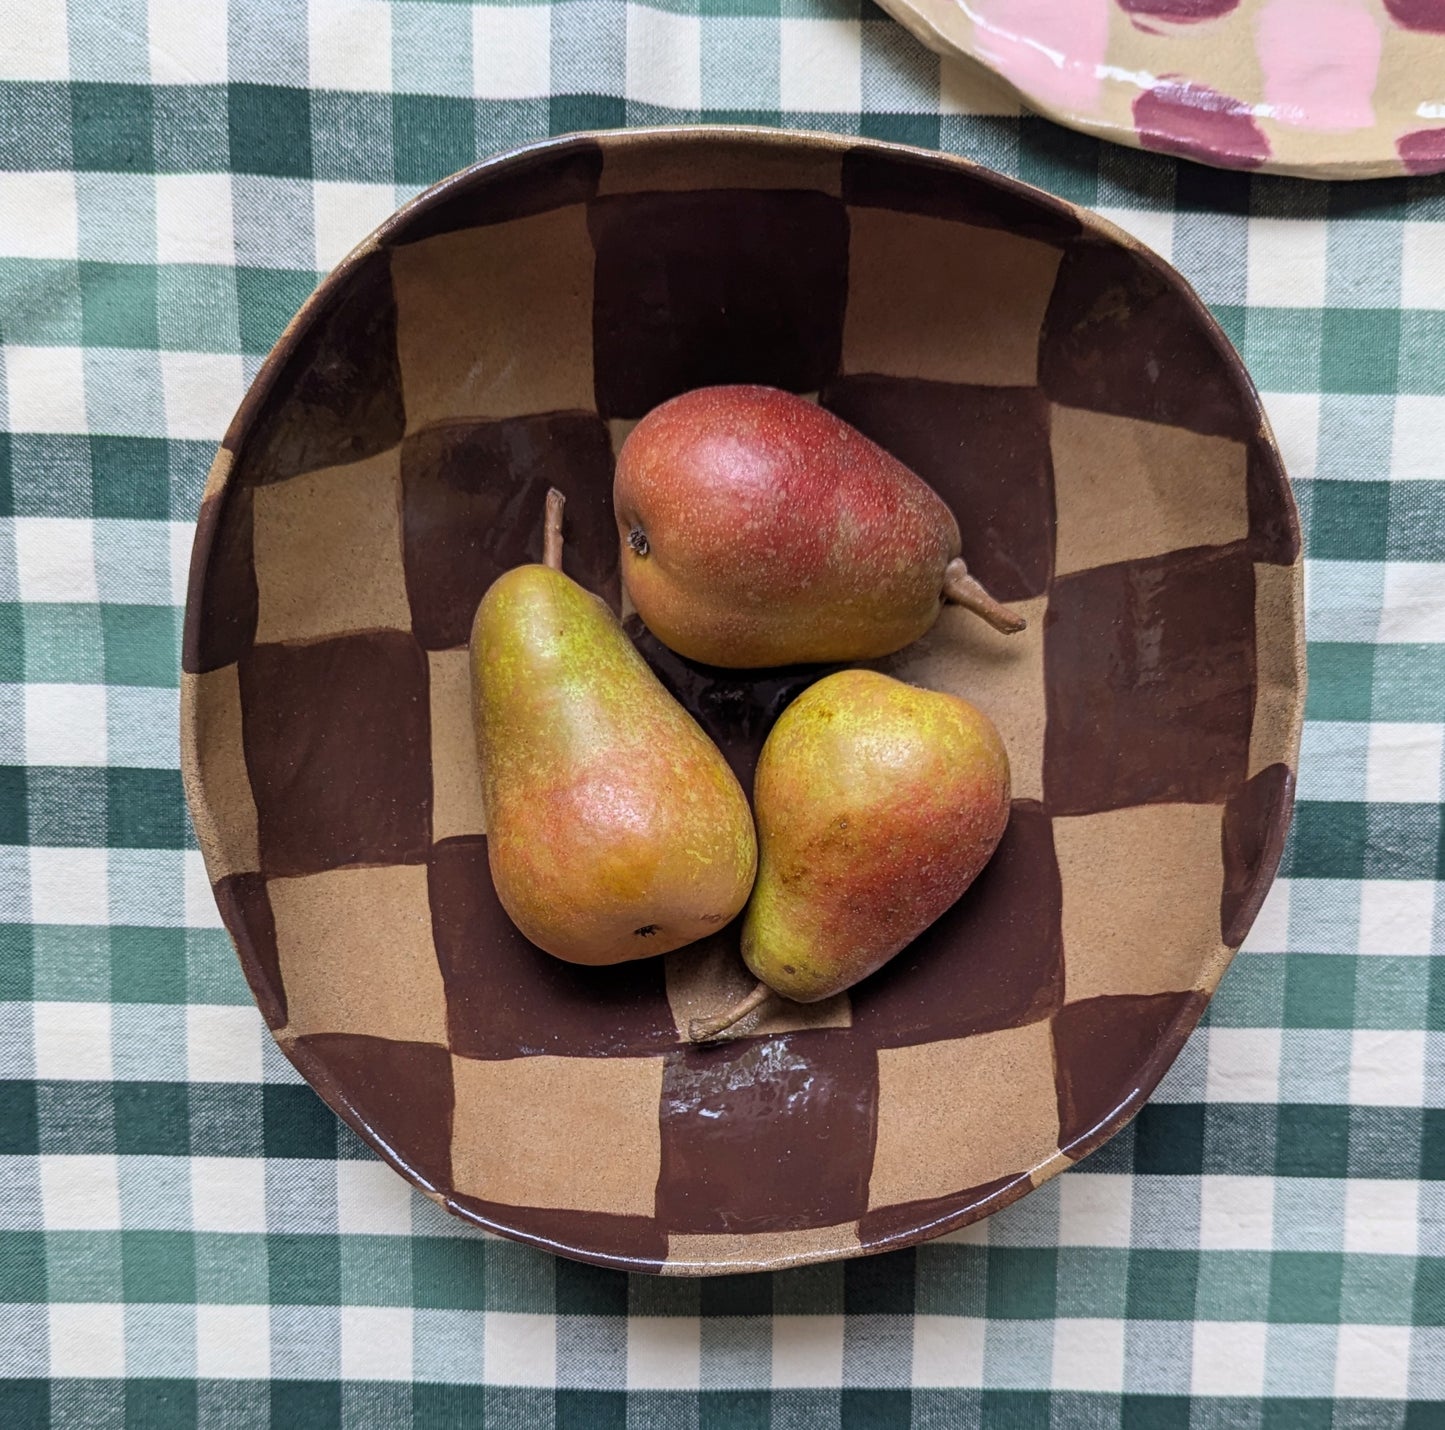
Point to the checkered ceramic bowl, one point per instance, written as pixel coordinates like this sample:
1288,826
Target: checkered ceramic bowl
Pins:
1113,475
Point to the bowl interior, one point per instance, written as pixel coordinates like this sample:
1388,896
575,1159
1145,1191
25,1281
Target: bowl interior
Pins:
1112,475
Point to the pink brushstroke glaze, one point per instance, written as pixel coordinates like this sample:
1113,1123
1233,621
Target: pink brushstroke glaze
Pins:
1320,60
1183,10
1053,52
1177,117
1422,152
1427,15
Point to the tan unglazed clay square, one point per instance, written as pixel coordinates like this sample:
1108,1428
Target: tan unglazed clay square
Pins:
219,471
619,429
709,977
957,1114
1275,731
514,338
1141,898
575,1134
757,1251
931,298
455,769
1126,489
328,552
225,814
1002,675
357,955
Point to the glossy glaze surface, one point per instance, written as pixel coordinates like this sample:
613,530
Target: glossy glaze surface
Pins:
501,334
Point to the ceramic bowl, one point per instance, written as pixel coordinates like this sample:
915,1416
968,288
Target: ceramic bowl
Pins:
1114,477
1325,89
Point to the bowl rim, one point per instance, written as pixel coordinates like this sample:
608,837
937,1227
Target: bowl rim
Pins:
219,483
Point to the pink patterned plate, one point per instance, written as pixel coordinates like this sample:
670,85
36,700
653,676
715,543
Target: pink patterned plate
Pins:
1326,89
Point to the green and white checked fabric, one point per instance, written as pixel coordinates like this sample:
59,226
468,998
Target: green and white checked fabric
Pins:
187,1236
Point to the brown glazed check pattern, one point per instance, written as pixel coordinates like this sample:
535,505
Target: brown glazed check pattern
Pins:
1113,476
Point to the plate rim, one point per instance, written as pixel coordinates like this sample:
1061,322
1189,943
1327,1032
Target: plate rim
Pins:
942,26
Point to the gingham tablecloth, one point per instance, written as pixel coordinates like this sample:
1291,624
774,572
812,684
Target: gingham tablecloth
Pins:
190,1237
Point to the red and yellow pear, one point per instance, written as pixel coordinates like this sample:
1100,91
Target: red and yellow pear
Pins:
878,804
758,529
615,828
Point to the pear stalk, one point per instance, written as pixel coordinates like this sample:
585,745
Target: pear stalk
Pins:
577,736
704,1030
962,589
552,530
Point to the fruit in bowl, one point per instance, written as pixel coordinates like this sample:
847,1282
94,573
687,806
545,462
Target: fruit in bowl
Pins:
615,828
756,529
878,804
759,529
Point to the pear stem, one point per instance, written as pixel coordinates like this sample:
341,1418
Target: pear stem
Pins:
961,589
704,1030
552,531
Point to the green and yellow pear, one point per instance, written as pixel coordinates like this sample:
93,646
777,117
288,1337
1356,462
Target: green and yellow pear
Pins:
615,828
877,804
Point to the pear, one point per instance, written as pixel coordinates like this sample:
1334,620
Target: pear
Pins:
758,529
877,804
615,828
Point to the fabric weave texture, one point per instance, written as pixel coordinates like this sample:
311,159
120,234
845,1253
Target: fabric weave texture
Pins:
188,1236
